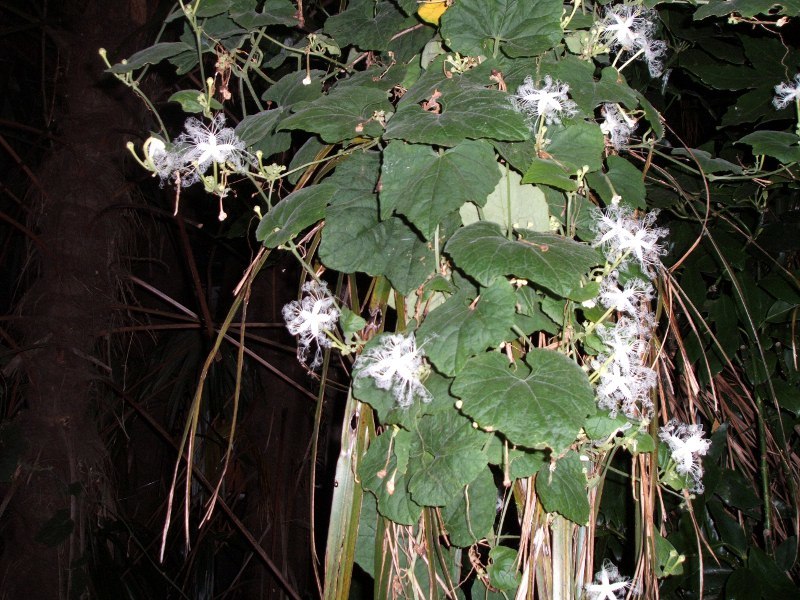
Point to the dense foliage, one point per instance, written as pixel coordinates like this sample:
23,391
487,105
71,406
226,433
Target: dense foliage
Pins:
553,251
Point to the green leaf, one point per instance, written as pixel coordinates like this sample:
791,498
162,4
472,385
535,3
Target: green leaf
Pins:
254,128
273,12
549,172
458,330
466,111
502,569
518,463
290,89
625,180
190,101
552,261
425,186
293,214
783,146
383,472
773,582
576,145
788,396
150,56
529,28
740,583
445,457
469,516
212,8
367,531
367,24
562,489
341,115
747,8
668,560
587,92
602,426
355,240
512,204
350,322
540,402
530,317
707,162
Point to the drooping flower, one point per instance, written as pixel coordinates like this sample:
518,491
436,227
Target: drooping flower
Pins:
617,125
786,93
607,583
550,102
687,445
620,233
395,364
628,29
214,143
312,318
166,162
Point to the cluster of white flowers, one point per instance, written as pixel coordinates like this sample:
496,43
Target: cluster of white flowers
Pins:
195,150
616,125
787,93
549,102
687,444
629,28
607,583
395,364
625,380
311,319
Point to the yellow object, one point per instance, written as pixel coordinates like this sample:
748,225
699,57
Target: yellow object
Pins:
431,12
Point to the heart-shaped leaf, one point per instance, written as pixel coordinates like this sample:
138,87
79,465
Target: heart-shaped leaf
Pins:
425,186
529,28
540,402
483,252
464,326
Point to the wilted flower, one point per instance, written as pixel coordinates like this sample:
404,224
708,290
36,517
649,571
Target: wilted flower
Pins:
687,445
617,125
212,144
786,93
311,319
628,28
620,234
549,102
607,582
395,364
167,163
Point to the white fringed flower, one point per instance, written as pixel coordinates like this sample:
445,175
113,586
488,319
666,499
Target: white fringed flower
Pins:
395,364
549,102
617,125
607,583
627,299
786,93
687,445
624,381
620,234
212,144
629,28
311,319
